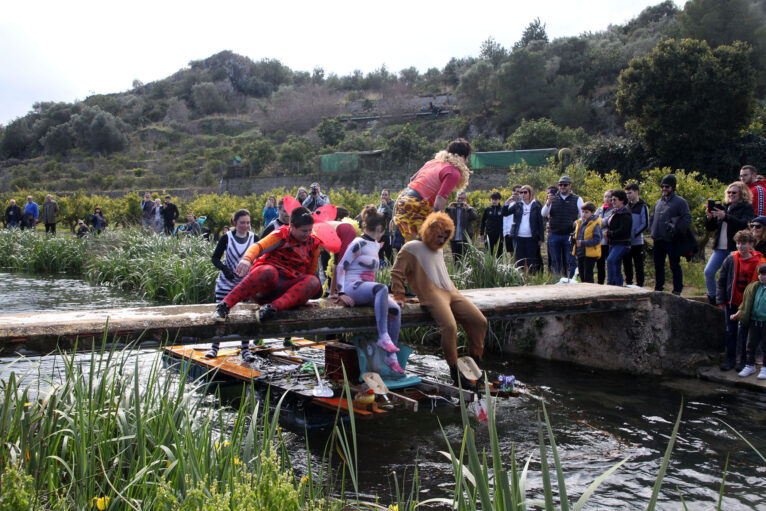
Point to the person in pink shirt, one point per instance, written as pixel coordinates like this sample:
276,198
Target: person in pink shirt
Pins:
430,186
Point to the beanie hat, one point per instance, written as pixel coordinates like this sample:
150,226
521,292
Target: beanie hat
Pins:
670,179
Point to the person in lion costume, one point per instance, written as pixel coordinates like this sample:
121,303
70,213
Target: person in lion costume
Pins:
420,263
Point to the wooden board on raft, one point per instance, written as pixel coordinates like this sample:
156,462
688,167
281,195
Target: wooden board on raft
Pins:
228,361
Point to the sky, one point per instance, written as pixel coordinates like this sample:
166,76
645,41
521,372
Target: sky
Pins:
67,51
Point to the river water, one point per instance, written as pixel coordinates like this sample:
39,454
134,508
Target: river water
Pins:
598,419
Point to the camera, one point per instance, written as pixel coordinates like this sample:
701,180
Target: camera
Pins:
314,190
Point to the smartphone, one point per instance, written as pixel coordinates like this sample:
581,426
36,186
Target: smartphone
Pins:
714,204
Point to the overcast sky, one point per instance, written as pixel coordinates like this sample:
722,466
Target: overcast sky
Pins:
68,50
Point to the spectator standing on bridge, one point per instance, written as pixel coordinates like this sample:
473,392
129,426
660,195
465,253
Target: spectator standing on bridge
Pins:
279,270
757,186
670,222
738,270
50,214
563,209
316,198
420,263
508,219
283,218
147,212
587,241
635,257
463,216
386,208
355,284
604,212
169,216
12,215
233,245
758,227
528,230
619,236
491,228
31,214
752,314
726,220
430,187
270,211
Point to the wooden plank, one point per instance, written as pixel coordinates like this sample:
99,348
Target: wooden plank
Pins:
228,361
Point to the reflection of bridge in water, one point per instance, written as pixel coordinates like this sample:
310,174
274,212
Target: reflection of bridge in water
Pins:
606,327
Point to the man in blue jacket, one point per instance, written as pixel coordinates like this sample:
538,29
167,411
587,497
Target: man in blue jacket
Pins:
635,257
31,214
670,221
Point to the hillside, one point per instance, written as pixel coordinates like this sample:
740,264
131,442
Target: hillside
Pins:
227,114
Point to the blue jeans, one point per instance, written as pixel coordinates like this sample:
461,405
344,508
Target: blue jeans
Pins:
614,264
711,268
561,254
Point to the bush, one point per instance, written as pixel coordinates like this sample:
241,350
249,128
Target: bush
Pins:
543,133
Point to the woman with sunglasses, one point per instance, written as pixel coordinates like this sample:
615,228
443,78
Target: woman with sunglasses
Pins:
726,220
528,231
758,226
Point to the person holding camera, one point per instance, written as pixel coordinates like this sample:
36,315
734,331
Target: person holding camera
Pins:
316,198
670,221
726,219
463,216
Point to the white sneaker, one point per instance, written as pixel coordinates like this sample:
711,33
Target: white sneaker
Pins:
748,371
762,374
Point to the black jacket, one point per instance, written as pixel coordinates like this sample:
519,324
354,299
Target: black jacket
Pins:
169,213
738,215
492,221
536,224
13,214
620,227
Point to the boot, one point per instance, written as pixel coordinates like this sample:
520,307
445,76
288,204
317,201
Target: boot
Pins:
459,380
221,312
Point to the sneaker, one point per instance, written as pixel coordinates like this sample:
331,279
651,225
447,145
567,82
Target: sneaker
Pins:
221,312
747,371
287,342
392,362
739,366
266,313
726,365
385,342
212,353
247,355
762,374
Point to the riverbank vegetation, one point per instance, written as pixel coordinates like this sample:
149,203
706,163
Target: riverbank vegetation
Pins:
680,87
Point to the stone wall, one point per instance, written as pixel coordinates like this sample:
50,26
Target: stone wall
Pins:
665,335
363,181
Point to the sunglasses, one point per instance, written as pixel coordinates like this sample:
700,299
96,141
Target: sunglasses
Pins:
524,191
565,184
756,226
734,192
665,186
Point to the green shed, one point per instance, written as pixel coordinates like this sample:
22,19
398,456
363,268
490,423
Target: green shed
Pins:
504,159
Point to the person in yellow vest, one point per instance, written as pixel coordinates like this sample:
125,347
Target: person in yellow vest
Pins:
586,245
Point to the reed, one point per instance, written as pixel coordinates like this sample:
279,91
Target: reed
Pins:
110,437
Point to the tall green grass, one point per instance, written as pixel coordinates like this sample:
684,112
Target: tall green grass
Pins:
160,268
111,437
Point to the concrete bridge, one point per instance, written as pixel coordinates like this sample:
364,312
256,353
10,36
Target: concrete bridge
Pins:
634,330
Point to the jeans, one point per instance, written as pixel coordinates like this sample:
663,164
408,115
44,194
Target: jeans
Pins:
736,336
670,250
527,254
757,336
601,264
585,267
614,264
711,268
562,260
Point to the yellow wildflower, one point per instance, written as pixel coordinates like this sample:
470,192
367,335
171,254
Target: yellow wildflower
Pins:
393,507
100,503
304,479
236,461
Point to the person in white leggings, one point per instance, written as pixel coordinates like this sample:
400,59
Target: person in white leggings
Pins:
356,284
